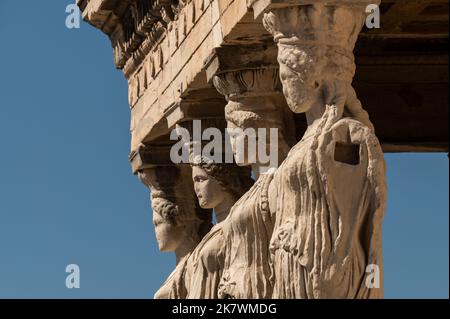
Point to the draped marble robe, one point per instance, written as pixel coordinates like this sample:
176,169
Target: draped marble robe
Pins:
198,275
247,272
328,220
205,265
329,212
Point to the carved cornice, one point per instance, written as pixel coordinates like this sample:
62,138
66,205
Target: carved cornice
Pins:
133,26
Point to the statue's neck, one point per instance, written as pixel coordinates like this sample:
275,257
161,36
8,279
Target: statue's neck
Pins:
184,249
315,112
334,91
223,209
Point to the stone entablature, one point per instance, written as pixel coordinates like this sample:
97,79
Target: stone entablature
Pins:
169,49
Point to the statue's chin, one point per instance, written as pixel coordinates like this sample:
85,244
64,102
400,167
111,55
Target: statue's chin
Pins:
205,204
299,107
166,237
164,247
301,98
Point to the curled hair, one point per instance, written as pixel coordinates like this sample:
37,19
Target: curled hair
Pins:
234,179
168,210
173,213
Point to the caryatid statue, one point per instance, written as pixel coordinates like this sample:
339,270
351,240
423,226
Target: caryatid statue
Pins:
217,186
330,193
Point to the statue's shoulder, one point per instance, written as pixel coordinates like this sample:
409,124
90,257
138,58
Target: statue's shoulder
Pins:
172,287
349,130
353,126
349,141
209,247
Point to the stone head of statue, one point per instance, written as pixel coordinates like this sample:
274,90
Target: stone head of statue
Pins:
255,105
166,227
315,49
174,214
214,183
172,224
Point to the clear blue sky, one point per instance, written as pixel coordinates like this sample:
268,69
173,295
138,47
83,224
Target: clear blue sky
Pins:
67,194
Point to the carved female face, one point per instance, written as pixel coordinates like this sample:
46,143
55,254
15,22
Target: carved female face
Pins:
300,76
209,192
169,234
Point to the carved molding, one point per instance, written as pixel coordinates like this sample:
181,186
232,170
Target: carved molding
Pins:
136,27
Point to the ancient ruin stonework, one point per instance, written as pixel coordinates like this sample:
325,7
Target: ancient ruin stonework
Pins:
311,226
